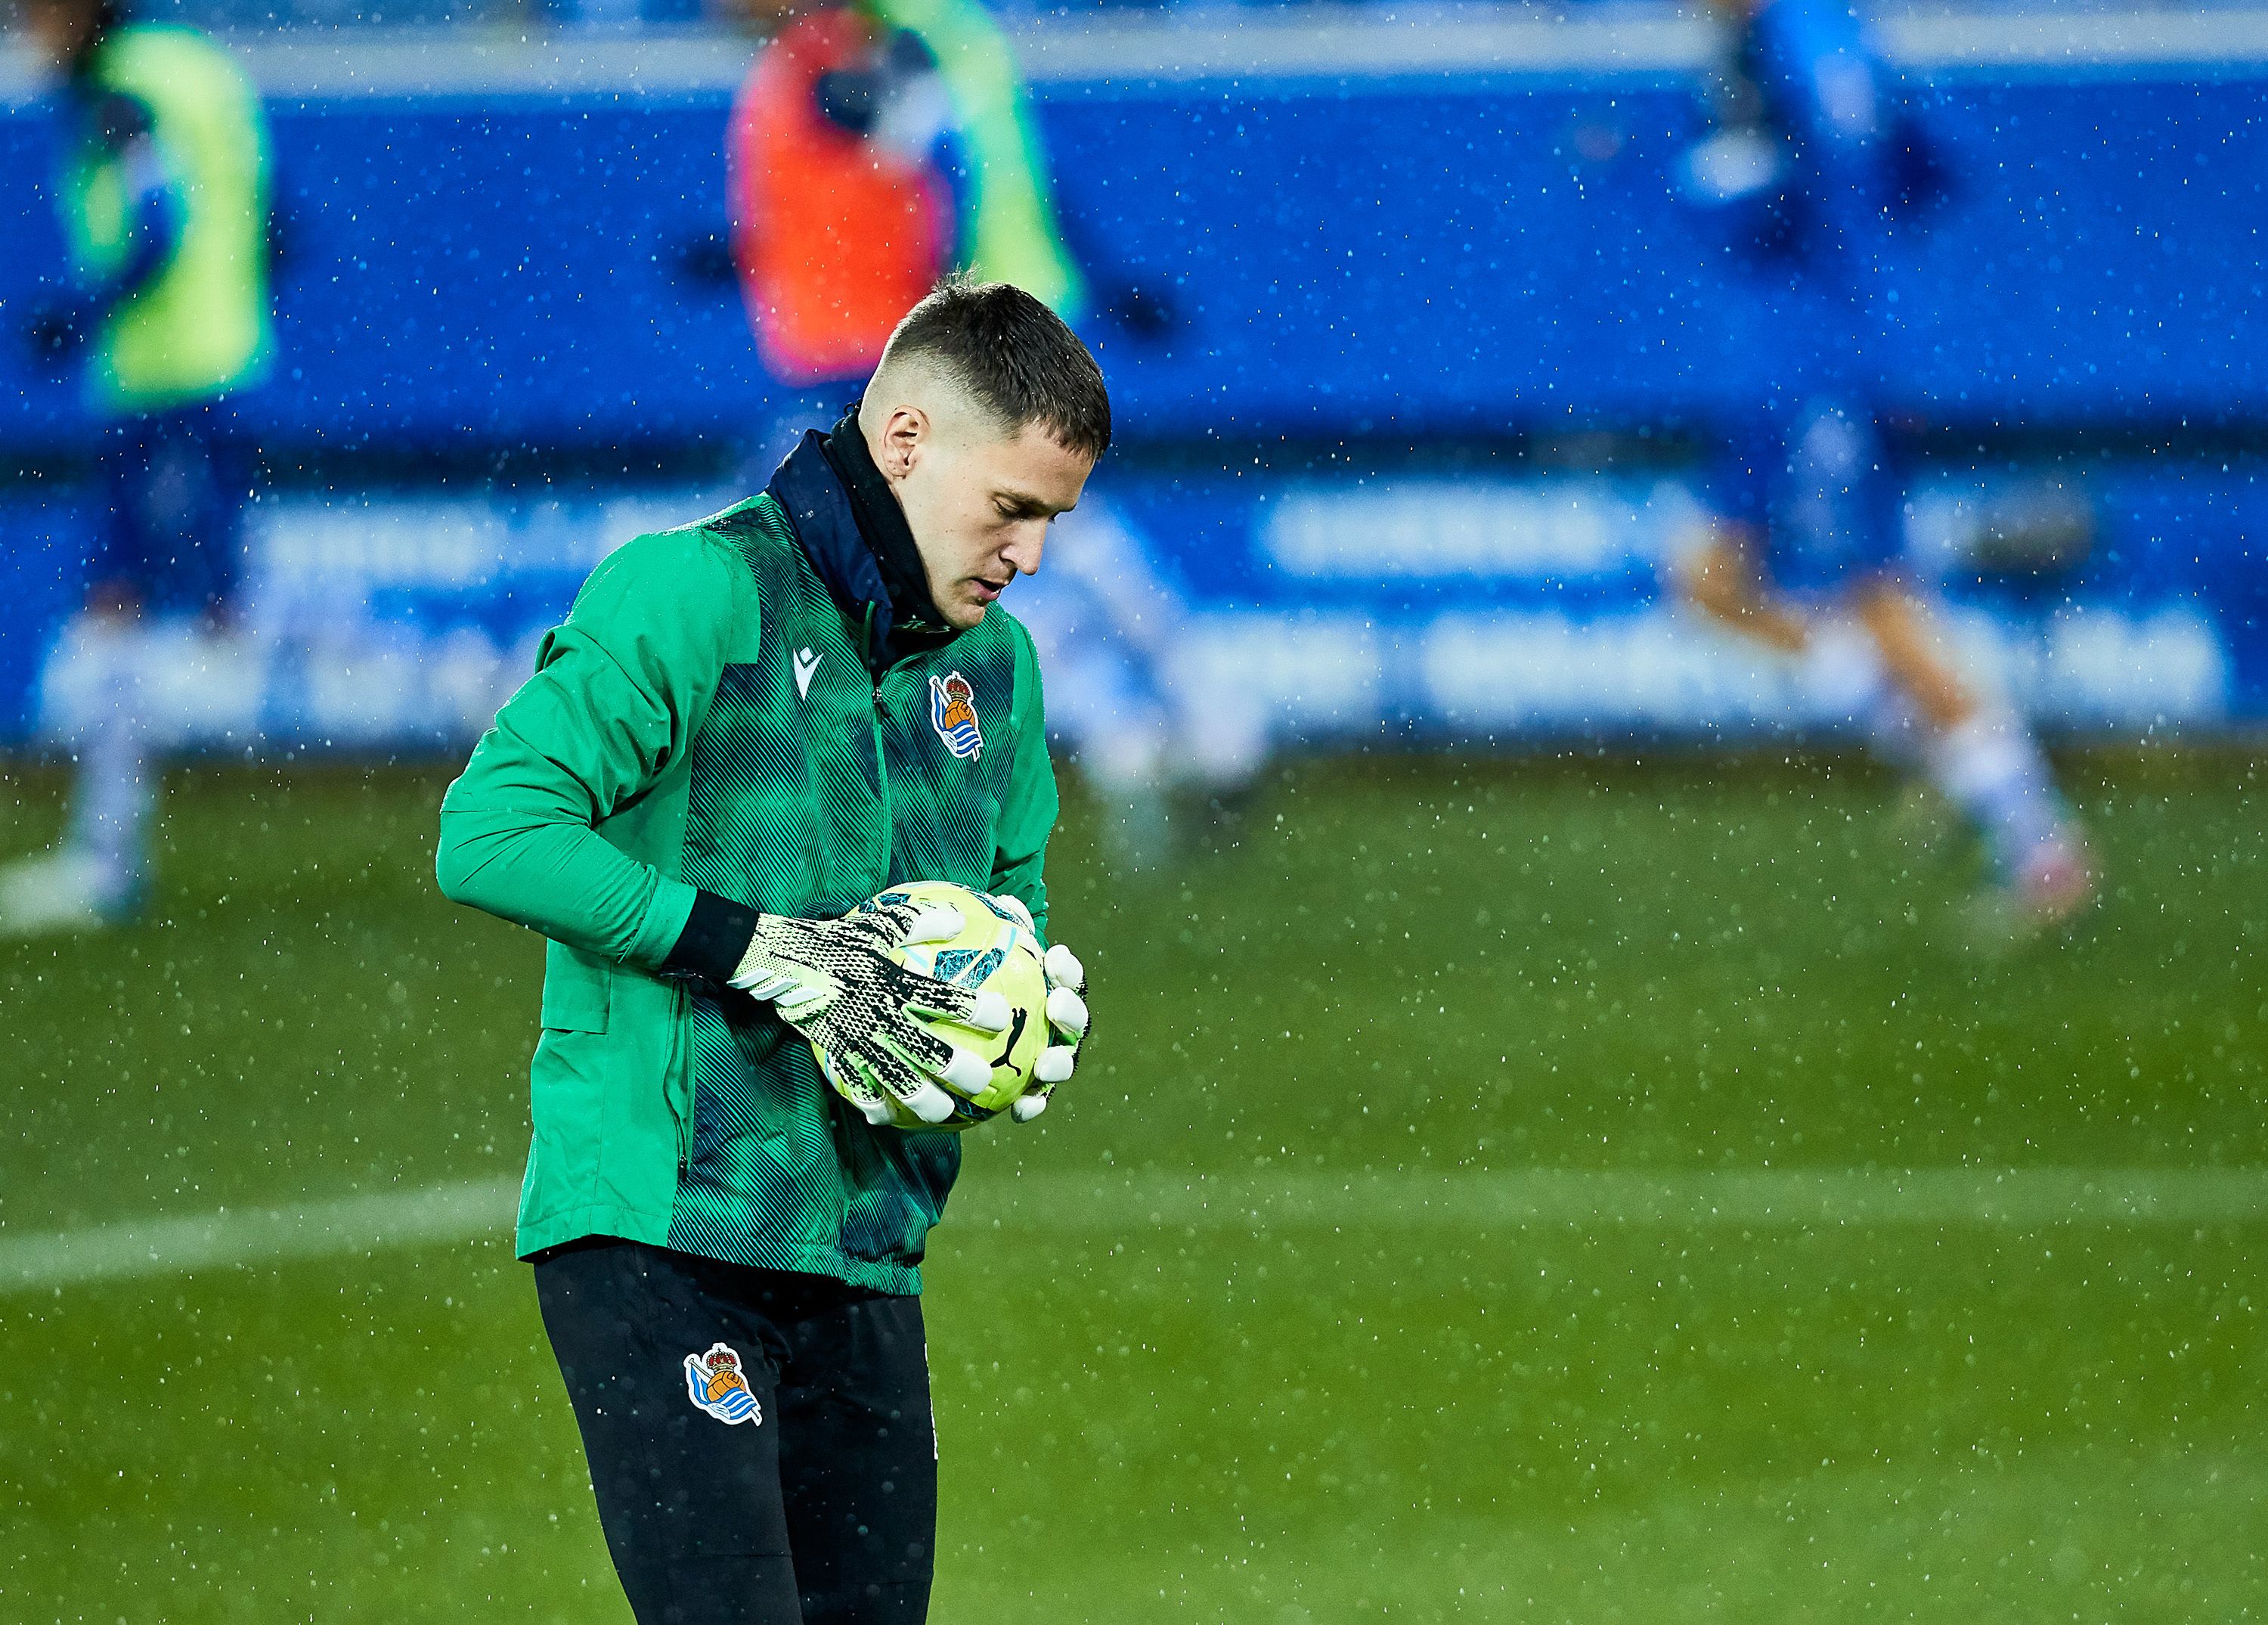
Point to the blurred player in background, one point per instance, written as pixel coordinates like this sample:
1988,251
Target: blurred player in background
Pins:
1806,166
1168,753
873,147
163,193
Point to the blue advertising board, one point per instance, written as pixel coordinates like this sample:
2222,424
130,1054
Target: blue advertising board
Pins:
1416,606
1363,232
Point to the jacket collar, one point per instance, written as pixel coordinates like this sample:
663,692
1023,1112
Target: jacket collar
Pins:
856,535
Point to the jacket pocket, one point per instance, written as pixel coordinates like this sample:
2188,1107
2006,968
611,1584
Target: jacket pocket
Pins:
578,991
677,1073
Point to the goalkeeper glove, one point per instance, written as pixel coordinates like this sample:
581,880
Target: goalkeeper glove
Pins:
834,981
1067,1019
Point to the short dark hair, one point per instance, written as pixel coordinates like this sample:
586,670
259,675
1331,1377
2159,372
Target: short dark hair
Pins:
1016,357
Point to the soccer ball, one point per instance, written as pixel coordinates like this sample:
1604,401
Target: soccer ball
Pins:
996,949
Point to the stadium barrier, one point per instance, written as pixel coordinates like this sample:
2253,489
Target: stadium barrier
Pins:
1398,232
1477,607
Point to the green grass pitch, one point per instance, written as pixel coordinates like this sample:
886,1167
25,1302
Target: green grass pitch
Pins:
1394,976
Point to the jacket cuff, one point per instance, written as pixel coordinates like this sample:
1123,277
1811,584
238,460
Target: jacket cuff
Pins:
662,923
715,939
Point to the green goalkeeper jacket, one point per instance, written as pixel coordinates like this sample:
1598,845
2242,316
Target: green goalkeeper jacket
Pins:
735,716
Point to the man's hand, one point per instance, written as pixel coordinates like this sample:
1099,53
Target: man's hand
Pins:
834,981
54,331
1067,1020
1067,1024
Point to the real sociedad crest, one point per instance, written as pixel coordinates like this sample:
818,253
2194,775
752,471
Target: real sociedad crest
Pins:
714,1382
953,714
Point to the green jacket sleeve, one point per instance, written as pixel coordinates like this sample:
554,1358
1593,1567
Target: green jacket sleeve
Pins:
1028,814
616,695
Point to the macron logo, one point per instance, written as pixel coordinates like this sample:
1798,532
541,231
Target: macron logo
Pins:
806,663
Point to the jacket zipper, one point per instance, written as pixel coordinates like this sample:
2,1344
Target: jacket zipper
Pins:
881,760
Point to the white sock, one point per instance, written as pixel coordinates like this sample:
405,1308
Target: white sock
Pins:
1993,769
112,797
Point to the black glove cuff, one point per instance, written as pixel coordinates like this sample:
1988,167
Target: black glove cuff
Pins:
715,940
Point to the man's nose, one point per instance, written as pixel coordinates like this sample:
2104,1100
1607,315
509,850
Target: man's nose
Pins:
1024,549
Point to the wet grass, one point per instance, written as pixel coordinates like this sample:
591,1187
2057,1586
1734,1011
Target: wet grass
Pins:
1394,964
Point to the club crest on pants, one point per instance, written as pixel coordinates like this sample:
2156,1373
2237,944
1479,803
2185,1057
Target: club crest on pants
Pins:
716,1385
953,714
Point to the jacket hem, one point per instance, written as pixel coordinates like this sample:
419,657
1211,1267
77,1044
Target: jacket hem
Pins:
813,1259
798,1258
575,1223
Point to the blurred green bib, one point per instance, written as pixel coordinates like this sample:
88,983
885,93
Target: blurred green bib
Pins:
202,327
1009,231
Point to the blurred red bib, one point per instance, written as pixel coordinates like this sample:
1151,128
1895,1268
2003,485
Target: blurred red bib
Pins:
835,237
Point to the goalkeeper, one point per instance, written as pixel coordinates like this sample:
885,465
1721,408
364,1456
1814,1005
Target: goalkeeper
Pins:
748,726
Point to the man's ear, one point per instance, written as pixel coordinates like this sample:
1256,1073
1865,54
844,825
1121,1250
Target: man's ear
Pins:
905,436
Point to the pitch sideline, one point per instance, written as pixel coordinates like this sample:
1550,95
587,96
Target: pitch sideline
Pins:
1107,1202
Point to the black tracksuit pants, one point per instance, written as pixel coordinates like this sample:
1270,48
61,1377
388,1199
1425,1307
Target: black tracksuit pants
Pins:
789,1479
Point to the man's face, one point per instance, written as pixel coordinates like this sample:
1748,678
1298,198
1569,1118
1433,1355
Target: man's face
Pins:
60,29
978,501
